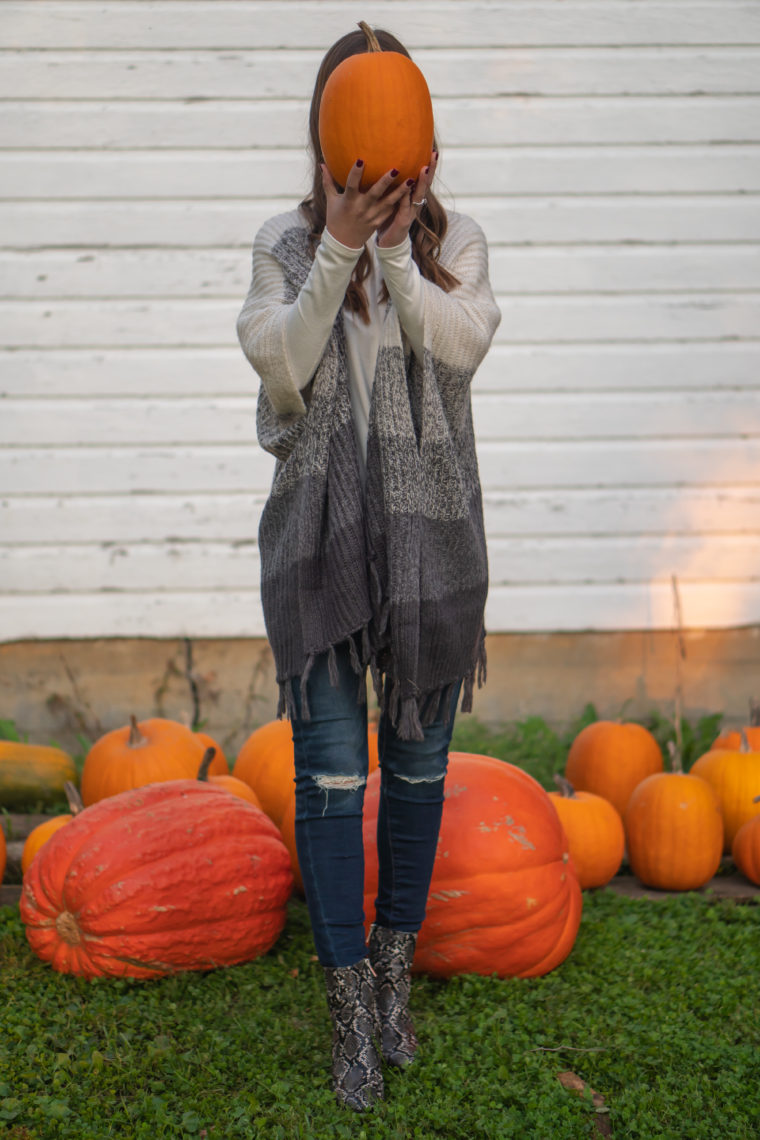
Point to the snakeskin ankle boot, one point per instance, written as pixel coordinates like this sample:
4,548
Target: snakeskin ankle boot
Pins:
391,953
356,1071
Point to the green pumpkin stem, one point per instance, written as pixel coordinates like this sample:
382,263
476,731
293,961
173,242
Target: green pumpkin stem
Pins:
566,788
208,757
754,713
373,44
73,797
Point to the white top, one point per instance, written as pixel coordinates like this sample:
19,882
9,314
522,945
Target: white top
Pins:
285,342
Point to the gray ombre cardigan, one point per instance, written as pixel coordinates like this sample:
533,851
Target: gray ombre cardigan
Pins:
398,566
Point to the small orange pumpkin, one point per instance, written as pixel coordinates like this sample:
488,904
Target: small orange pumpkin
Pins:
745,850
230,783
150,752
732,741
610,758
594,832
674,831
734,774
39,836
376,106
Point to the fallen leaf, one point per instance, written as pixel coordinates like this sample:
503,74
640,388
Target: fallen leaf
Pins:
570,1080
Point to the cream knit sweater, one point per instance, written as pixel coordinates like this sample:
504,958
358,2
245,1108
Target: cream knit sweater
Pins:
284,343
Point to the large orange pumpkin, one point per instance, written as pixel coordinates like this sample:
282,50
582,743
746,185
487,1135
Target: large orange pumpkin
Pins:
504,898
594,832
376,106
734,774
745,848
610,758
170,876
146,753
674,831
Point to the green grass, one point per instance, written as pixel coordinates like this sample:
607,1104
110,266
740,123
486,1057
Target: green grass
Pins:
656,1009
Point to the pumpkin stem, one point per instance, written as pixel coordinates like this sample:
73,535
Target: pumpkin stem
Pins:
208,756
756,800
73,797
566,788
66,926
745,744
136,738
373,44
675,757
754,713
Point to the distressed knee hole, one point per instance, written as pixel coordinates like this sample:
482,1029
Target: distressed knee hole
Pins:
419,779
347,783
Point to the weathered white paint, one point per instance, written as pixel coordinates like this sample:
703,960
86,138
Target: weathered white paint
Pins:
608,149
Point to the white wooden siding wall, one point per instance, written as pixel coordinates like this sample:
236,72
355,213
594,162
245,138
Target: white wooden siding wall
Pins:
609,148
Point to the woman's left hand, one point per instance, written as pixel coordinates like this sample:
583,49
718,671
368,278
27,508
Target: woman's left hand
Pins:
397,227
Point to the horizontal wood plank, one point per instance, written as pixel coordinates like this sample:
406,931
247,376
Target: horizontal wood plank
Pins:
525,320
177,371
216,566
506,171
624,606
522,270
270,24
234,516
497,417
511,120
450,72
503,466
196,224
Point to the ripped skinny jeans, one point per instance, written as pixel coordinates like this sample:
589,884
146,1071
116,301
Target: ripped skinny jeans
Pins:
331,763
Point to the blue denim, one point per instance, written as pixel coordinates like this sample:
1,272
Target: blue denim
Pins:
331,762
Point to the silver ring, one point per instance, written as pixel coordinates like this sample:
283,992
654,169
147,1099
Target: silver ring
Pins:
421,202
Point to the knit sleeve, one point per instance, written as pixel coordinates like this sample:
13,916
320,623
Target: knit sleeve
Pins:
457,327
284,339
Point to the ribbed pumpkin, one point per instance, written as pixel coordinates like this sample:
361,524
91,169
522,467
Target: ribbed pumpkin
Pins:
146,753
745,849
266,763
229,783
674,831
594,832
732,741
610,758
376,106
734,774
32,773
504,898
167,877
39,836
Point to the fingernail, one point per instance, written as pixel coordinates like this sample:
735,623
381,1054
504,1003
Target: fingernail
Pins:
426,170
410,182
360,162
394,173
435,154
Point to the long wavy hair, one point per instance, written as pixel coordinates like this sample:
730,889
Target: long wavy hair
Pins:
427,231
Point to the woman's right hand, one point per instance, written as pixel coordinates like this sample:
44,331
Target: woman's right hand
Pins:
354,215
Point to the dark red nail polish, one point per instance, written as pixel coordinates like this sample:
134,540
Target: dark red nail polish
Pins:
410,182
426,170
360,162
394,173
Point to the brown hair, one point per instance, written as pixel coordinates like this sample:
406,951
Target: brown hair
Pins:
427,230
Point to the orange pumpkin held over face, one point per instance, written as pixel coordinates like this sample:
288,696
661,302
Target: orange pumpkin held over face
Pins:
376,106
504,897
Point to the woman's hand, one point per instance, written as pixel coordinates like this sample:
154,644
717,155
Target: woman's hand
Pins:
354,215
398,225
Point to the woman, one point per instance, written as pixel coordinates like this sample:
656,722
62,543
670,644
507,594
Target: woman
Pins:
368,313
